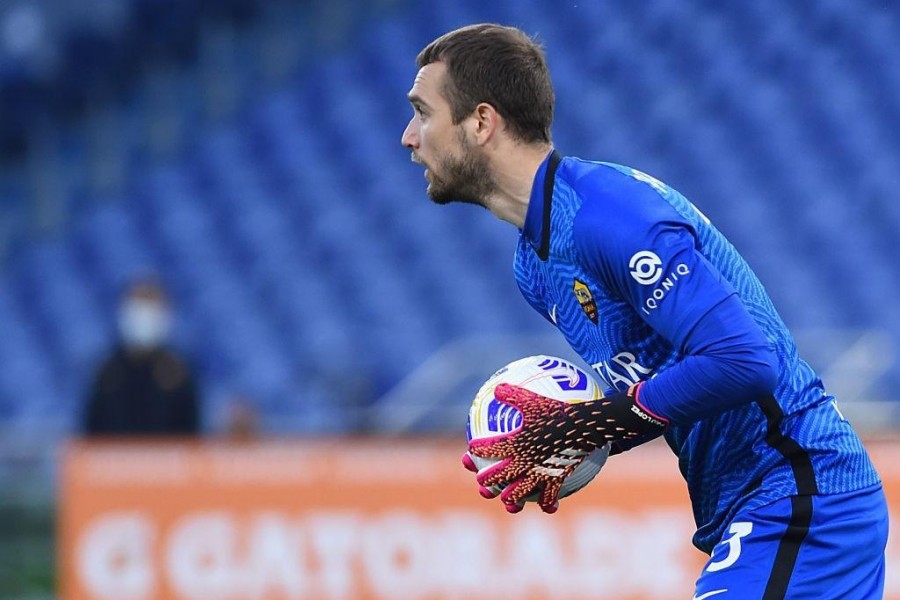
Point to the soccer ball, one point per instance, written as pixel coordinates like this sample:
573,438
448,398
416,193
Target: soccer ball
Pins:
546,375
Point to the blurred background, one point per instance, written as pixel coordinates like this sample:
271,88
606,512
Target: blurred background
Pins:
245,155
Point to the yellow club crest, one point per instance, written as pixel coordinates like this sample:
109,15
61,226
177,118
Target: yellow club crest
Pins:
586,300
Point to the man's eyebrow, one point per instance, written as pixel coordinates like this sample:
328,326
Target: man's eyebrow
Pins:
415,99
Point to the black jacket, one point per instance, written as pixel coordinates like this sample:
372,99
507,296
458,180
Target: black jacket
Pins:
143,393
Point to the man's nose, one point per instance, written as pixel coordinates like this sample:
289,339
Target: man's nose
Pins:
410,137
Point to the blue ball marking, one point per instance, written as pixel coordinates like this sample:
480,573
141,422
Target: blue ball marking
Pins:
502,418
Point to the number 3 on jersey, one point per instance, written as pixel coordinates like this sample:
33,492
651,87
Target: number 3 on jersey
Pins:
737,530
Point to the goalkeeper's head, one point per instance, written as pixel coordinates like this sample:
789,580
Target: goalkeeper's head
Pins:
500,66
483,106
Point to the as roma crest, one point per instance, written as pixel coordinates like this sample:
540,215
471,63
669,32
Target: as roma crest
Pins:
586,300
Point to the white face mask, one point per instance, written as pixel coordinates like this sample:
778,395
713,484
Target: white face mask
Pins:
144,324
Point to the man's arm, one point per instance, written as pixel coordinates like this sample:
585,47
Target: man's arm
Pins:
727,362
726,359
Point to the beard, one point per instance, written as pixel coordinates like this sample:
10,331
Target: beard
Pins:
464,178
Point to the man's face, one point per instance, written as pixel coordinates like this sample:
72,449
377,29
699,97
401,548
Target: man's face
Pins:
144,317
456,169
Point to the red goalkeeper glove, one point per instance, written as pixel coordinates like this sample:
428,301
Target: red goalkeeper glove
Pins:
554,439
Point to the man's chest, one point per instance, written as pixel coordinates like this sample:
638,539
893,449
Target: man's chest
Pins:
603,329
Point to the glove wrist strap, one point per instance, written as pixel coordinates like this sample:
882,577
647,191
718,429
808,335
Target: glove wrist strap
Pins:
619,417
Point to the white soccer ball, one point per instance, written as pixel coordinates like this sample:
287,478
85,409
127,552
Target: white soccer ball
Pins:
546,375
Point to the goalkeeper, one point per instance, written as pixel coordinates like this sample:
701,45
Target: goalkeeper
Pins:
652,296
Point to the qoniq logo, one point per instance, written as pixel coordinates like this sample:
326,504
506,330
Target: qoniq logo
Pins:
646,267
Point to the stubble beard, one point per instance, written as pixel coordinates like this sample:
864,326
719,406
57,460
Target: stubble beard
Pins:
465,178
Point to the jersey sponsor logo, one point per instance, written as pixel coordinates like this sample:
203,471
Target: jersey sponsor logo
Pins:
586,300
621,371
646,267
660,292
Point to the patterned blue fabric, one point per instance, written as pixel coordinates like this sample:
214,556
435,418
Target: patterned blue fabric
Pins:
632,274
841,555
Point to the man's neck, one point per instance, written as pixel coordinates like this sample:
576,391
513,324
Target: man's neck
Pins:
514,171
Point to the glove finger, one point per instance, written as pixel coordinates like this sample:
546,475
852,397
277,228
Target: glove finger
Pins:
499,473
518,490
514,395
498,446
549,499
513,508
486,492
550,509
468,463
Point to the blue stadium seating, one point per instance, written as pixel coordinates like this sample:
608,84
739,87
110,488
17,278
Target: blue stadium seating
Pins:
297,239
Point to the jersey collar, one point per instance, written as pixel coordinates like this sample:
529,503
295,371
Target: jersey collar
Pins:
537,219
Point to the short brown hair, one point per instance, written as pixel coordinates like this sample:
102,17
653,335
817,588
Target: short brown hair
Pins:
501,66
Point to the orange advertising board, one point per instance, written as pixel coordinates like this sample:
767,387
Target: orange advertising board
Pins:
366,520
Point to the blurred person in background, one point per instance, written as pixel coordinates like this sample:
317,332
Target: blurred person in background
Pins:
144,387
241,420
651,295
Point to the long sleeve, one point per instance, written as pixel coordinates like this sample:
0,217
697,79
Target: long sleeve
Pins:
649,258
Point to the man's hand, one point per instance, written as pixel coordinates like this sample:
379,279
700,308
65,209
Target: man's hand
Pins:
555,437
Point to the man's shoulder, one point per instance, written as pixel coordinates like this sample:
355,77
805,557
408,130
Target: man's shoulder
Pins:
114,359
616,197
120,358
578,172
171,358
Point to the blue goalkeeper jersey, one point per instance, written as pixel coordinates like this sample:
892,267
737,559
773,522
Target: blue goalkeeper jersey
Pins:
645,288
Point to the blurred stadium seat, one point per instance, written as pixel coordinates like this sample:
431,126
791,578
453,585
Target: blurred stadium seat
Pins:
299,243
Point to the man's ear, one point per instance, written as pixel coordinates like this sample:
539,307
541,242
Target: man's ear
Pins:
487,123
